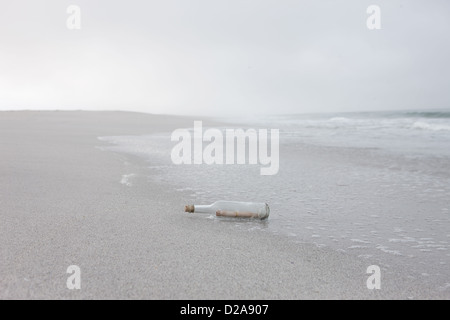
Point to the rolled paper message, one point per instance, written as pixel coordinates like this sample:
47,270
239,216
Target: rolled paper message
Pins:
237,214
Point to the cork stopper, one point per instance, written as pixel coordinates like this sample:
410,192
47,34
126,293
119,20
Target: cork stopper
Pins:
189,208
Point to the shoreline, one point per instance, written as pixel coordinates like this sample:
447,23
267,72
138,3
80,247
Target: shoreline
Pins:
63,203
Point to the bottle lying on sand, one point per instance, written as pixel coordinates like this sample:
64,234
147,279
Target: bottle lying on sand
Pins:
233,209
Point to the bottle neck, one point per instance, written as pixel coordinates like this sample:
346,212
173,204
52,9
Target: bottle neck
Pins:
203,208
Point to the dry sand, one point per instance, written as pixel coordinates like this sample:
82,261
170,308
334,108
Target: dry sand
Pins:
62,203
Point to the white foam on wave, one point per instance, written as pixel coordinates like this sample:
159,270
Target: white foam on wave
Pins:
406,239
358,247
359,241
421,125
339,119
126,179
386,250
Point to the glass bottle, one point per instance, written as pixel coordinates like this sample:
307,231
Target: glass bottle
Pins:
232,209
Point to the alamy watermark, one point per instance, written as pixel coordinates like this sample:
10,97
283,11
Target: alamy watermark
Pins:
73,21
74,280
373,22
374,280
190,150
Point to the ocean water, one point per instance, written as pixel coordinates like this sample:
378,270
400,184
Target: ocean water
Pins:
375,185
408,132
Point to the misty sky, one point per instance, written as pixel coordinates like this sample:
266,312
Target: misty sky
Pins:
225,57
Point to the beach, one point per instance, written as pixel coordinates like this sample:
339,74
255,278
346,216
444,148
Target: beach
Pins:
68,197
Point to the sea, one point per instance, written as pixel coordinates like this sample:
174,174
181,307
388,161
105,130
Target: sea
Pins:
371,184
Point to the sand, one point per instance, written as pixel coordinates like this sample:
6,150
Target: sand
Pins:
63,201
